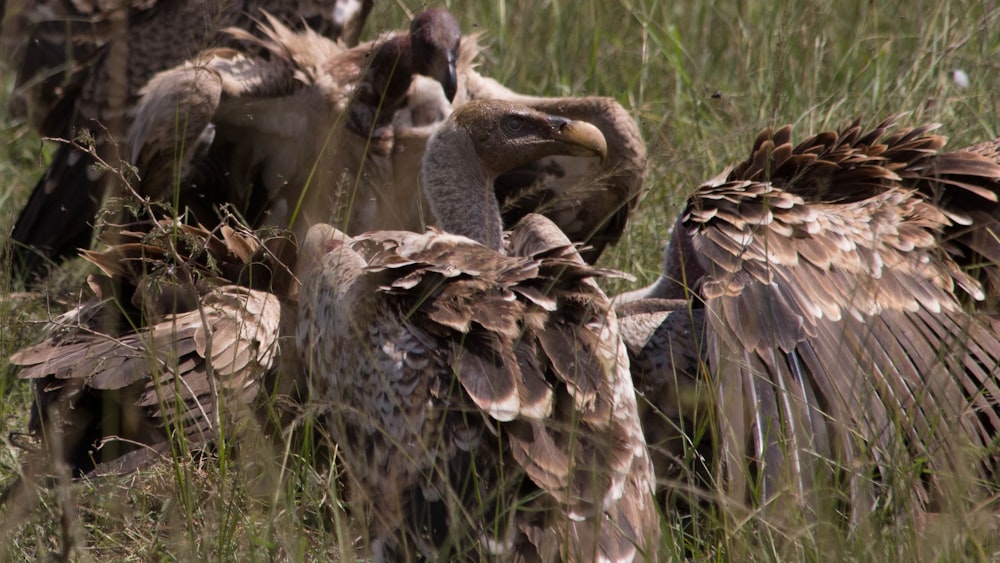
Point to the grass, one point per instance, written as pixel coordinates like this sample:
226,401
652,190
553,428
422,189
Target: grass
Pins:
701,79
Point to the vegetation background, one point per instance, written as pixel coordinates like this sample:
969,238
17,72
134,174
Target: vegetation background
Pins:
702,78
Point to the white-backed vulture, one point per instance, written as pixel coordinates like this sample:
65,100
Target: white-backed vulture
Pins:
80,66
475,381
833,322
589,198
183,321
299,137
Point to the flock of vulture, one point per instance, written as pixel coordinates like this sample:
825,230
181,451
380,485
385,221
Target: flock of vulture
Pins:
406,247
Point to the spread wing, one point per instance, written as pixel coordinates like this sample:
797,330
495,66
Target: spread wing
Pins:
177,371
225,125
167,340
976,236
833,295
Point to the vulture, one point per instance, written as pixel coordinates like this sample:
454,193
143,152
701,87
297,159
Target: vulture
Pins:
588,197
301,136
474,379
80,67
822,324
184,325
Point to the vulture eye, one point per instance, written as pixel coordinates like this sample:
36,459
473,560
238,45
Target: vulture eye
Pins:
513,123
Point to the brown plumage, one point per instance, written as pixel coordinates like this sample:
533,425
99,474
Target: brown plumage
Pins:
183,321
666,345
847,337
298,137
979,241
477,387
80,66
588,197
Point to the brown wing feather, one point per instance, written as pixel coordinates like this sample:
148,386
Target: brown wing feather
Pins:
166,339
297,137
547,402
834,275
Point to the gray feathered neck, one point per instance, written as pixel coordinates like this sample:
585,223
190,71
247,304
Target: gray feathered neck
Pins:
459,187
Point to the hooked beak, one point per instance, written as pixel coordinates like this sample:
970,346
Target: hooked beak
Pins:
450,79
579,137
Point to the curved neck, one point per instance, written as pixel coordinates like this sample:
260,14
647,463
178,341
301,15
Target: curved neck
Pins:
382,89
682,272
460,189
392,70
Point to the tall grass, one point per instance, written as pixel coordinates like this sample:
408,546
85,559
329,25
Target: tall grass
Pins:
701,79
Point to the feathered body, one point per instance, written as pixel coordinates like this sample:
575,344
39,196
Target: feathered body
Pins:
666,345
478,389
481,378
298,137
846,331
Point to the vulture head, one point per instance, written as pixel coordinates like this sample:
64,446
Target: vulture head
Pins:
435,37
429,49
589,198
480,141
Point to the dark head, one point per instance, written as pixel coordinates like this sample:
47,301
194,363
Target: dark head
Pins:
507,135
431,49
435,37
481,140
